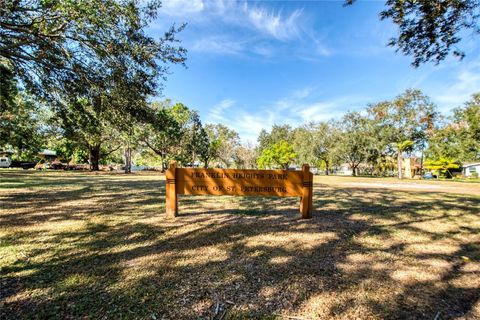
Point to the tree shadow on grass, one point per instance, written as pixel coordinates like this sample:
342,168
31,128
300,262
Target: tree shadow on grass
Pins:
366,253
96,195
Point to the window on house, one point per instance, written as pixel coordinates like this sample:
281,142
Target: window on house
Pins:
472,169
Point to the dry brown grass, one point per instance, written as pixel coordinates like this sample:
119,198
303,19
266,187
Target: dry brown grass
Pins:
75,245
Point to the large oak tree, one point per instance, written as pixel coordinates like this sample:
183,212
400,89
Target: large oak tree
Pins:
58,48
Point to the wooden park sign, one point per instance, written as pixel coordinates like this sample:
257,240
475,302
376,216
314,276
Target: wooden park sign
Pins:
235,182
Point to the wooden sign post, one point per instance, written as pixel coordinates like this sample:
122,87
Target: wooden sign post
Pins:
279,183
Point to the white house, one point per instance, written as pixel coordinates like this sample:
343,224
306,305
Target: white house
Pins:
470,169
47,153
344,170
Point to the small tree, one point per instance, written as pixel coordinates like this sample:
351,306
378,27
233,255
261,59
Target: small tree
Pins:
442,166
280,154
304,143
353,143
246,156
203,146
325,137
224,142
277,134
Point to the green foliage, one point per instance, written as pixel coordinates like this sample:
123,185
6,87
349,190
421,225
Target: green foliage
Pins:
93,62
304,143
445,142
405,146
20,123
57,47
176,133
164,133
280,154
403,125
430,30
203,146
409,117
8,88
277,134
91,128
223,143
354,142
442,166
468,120
194,142
458,138
314,144
69,150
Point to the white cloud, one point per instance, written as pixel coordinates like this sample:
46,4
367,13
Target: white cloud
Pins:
302,93
319,111
465,83
182,7
262,50
237,27
218,45
292,109
468,82
273,23
267,21
216,113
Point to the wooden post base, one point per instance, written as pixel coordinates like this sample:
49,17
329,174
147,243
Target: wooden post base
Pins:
171,192
306,204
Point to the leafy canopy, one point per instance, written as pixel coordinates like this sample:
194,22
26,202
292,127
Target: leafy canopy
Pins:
442,165
61,47
280,154
429,30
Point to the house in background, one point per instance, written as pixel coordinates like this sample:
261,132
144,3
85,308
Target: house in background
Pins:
6,153
411,167
343,170
471,169
46,153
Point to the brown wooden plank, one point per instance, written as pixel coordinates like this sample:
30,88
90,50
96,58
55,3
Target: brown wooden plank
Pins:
279,183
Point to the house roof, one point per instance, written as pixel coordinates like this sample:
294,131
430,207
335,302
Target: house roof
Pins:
47,152
473,164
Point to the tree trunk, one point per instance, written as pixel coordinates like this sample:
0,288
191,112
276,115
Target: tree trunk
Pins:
162,161
128,160
94,157
399,165
354,171
421,161
326,168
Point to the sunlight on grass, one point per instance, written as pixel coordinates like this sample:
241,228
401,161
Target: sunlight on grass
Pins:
82,245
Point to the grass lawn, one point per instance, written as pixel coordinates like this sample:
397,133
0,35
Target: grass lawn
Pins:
75,245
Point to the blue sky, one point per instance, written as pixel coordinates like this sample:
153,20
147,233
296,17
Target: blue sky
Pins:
253,64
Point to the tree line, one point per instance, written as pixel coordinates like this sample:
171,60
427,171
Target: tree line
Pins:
375,139
78,77
379,137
